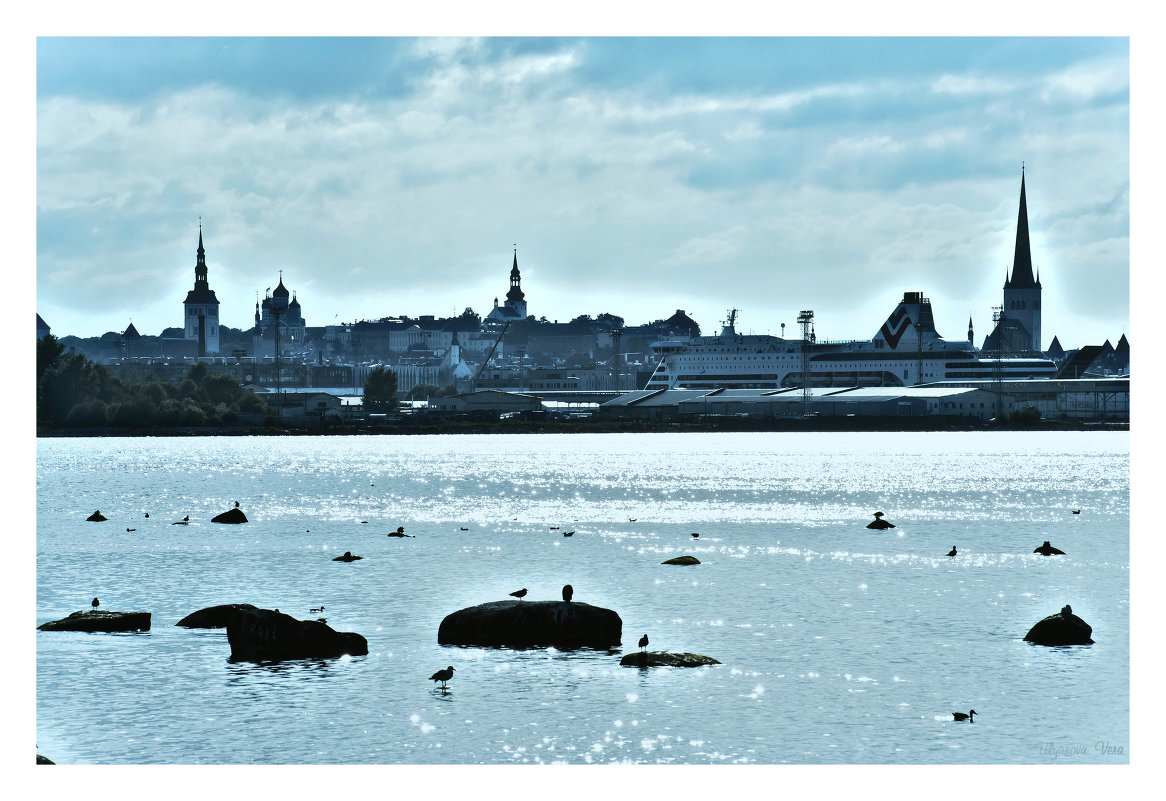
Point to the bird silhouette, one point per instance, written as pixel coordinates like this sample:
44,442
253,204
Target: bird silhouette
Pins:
1076,511
519,593
643,642
463,528
131,529
878,522
348,557
147,514
952,551
631,519
568,591
236,504
568,533
555,528
316,609
1047,550
695,534
443,676
961,716
95,603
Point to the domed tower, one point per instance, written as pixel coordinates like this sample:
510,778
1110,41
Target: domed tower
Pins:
1021,290
515,298
202,307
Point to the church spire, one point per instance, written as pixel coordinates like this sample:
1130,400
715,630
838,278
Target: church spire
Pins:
1022,258
200,263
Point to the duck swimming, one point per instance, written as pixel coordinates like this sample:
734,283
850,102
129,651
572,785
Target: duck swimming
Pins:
962,716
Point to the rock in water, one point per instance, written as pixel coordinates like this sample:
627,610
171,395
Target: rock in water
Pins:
1063,628
96,517
532,624
266,635
213,617
230,516
100,620
682,560
647,659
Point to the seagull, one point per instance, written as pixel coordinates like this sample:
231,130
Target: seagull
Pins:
952,551
961,716
443,676
96,603
519,593
643,642
568,591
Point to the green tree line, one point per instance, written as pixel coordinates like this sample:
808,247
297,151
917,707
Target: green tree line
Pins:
74,392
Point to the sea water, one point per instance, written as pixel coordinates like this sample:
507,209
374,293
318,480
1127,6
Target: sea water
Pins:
838,644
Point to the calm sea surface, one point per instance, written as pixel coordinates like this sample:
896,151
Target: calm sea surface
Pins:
840,644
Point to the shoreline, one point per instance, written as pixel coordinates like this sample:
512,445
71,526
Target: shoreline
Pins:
821,424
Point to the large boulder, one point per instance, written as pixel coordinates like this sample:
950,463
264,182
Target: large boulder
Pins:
100,620
213,617
96,517
1063,628
532,624
230,516
267,635
681,560
646,659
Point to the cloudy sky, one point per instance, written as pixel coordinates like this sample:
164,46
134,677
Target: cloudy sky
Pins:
636,176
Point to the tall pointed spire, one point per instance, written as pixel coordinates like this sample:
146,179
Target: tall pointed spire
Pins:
200,263
1022,258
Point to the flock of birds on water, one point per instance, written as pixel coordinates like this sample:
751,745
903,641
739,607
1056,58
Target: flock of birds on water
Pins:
444,676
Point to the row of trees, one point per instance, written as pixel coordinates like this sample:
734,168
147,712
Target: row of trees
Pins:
73,392
380,391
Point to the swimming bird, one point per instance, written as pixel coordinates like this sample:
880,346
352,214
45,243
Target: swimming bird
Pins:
186,519
519,593
348,557
643,642
1076,511
463,528
363,521
1047,550
322,619
568,533
95,603
962,716
631,519
878,522
131,529
400,532
443,676
695,534
952,551
147,514
316,609
568,591
555,528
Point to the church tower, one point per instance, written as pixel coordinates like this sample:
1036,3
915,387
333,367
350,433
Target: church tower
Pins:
202,307
1022,290
515,298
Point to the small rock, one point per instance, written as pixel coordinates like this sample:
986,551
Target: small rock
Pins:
1063,628
230,516
100,620
646,659
682,560
96,517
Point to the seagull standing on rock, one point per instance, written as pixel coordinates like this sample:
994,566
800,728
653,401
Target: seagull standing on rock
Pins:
568,591
443,676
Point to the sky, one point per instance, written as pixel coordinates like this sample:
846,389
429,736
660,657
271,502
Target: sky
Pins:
634,176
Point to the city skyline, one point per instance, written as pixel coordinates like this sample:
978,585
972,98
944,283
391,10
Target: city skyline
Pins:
635,176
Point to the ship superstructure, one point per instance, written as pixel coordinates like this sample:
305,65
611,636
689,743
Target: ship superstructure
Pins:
906,350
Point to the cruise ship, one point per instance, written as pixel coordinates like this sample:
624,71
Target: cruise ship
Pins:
906,351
